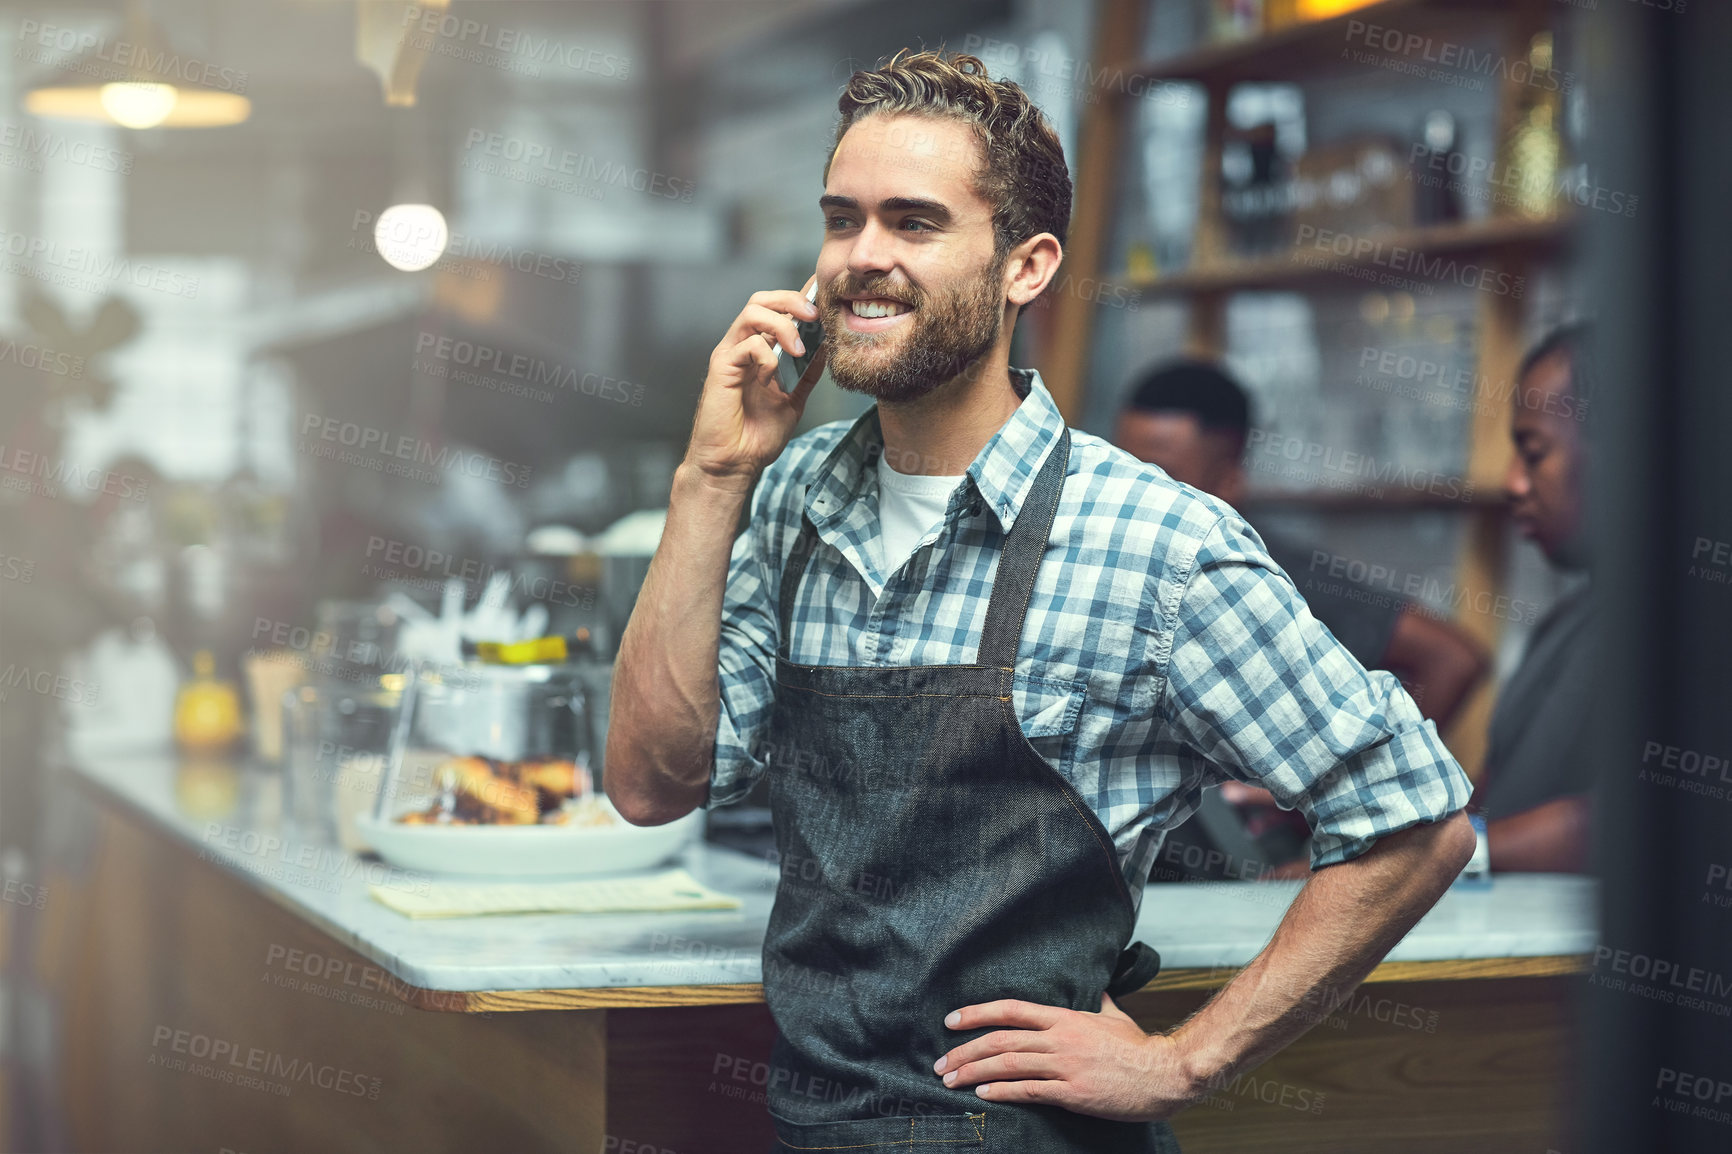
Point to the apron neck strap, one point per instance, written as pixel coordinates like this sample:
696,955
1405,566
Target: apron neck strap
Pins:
1011,587
795,568
1023,547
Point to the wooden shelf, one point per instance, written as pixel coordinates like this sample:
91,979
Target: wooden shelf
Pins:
1433,35
1301,49
1326,501
1393,254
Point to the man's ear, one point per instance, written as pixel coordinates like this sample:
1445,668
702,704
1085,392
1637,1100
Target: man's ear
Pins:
1030,267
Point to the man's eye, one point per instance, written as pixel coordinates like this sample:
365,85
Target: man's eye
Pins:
921,225
837,223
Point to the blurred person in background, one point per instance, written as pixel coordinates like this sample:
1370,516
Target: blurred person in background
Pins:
1192,419
1534,792
938,639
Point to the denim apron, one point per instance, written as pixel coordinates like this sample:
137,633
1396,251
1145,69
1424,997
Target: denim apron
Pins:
931,859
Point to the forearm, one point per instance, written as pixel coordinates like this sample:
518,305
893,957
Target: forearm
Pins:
1551,837
665,698
661,741
1341,924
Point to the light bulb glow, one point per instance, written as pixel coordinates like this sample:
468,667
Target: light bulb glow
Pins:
411,237
138,104
1324,9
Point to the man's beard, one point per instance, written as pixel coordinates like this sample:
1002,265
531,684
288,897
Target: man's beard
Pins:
947,336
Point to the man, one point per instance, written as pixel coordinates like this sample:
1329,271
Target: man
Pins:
1193,420
1534,791
993,701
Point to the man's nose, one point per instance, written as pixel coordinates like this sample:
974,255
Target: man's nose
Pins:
1515,480
871,251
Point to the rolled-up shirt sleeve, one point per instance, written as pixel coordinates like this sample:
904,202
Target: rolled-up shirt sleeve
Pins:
746,662
1265,694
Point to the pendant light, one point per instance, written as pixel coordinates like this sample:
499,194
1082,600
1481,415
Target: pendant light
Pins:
138,80
411,234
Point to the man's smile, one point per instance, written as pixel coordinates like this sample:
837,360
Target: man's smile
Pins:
874,314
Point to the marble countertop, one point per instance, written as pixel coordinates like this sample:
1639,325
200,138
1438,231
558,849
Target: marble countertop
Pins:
1194,926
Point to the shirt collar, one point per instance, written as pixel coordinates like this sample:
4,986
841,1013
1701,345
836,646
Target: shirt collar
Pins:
999,477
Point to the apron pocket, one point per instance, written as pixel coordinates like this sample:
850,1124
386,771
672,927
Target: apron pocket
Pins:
920,1132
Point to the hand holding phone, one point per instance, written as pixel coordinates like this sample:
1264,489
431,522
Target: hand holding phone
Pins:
746,412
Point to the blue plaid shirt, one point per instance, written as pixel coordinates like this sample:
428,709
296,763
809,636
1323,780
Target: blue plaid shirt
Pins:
1163,651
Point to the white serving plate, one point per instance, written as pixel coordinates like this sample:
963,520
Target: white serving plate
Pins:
525,851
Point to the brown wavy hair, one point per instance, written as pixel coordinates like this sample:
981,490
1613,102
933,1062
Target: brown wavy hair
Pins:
1023,175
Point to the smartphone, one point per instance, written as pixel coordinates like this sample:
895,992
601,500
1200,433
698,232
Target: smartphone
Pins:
789,369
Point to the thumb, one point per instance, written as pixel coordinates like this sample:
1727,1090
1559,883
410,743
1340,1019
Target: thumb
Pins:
1110,1008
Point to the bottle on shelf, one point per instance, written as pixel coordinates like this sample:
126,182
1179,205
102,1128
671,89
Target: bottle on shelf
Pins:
1235,20
1436,170
1533,150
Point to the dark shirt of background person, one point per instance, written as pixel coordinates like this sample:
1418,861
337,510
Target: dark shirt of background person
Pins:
1534,792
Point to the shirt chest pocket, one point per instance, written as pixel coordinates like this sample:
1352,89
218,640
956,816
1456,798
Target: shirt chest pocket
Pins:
1048,709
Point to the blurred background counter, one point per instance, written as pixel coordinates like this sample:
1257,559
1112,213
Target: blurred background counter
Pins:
193,907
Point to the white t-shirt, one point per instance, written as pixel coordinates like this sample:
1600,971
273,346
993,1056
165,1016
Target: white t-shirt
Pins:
909,505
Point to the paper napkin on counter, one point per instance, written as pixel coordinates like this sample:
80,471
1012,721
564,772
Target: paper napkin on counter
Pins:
673,889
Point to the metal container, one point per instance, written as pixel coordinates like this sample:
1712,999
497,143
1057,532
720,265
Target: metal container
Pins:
621,581
624,550
494,719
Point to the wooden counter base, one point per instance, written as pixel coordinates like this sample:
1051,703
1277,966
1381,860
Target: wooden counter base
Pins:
161,958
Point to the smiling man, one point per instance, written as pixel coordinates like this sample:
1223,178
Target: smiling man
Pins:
985,662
